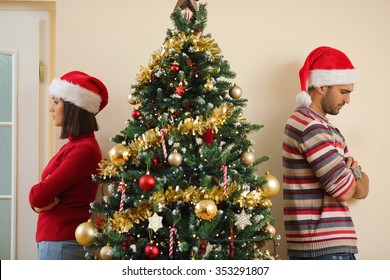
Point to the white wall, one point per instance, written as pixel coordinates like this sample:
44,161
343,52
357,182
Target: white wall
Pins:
266,43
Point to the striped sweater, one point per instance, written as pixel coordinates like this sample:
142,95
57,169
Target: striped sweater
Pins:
315,174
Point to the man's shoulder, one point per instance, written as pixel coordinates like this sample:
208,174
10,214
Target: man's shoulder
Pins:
309,115
303,118
301,115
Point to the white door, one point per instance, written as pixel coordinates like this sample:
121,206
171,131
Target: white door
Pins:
23,128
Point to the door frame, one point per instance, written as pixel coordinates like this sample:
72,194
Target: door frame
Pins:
12,123
47,130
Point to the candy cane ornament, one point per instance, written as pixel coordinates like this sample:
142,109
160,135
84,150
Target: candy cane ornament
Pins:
224,170
162,131
122,189
172,231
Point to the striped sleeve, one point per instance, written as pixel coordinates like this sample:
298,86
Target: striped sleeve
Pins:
324,152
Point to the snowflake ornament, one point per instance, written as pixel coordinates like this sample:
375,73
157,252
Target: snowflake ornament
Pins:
242,220
155,222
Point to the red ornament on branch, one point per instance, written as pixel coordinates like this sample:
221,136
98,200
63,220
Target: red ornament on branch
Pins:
208,137
180,90
202,249
156,161
191,64
151,251
148,126
175,67
147,182
136,114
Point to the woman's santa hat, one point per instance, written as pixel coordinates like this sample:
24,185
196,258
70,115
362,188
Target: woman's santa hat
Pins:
80,89
325,66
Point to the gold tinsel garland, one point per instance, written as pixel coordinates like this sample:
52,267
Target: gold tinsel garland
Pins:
266,255
198,126
123,222
108,169
152,137
199,43
204,44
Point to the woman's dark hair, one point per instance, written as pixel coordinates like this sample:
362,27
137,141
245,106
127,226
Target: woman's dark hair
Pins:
77,121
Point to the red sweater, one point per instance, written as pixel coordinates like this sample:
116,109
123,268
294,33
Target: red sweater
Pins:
68,177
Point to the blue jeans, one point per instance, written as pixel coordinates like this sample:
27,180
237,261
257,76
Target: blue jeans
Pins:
341,256
61,250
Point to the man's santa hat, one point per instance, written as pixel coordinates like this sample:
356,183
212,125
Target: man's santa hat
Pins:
80,89
325,66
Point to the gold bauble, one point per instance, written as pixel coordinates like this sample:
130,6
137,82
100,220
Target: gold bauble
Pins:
206,209
85,233
106,252
271,187
118,154
270,230
235,92
248,158
209,86
133,100
175,158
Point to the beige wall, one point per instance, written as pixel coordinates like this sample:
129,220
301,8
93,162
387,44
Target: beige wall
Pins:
265,42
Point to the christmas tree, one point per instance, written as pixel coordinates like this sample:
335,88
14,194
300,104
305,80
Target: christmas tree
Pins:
180,181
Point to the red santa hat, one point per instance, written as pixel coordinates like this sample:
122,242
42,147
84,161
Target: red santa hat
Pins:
80,89
325,66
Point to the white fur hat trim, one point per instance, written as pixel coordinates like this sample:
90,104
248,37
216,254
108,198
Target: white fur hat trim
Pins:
79,96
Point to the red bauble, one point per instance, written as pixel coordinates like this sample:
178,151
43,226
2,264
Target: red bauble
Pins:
208,137
147,182
175,67
148,126
156,162
124,245
136,114
151,251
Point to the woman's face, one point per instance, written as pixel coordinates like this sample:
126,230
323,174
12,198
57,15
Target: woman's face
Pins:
57,111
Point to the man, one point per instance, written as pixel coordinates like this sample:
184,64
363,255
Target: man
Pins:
319,174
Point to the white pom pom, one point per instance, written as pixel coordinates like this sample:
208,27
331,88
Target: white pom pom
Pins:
303,99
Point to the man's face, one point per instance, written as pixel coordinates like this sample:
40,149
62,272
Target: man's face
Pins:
335,97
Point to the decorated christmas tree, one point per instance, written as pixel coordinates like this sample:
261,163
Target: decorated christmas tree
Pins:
180,181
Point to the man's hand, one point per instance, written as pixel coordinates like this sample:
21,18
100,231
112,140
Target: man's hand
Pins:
352,163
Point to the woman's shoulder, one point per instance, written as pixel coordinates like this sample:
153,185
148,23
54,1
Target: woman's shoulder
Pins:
84,144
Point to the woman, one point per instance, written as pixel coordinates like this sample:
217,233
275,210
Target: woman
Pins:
62,197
